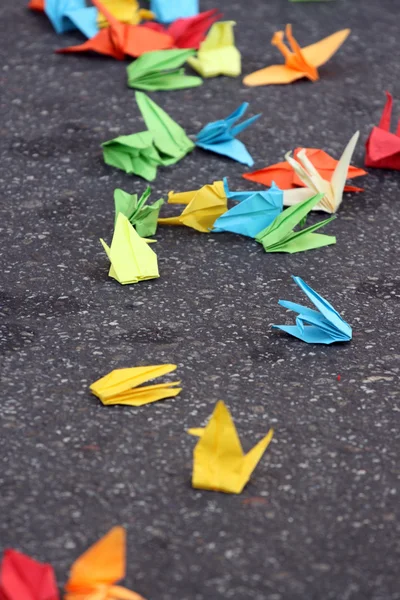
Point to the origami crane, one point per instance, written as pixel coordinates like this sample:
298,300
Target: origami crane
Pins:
167,11
383,147
285,177
218,54
133,153
203,207
120,39
66,15
219,136
94,574
219,461
160,71
256,211
141,215
131,258
299,62
315,183
121,386
22,578
280,237
189,32
321,326
126,11
37,5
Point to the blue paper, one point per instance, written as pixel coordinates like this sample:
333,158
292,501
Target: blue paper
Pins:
167,11
256,211
219,136
313,327
66,15
84,19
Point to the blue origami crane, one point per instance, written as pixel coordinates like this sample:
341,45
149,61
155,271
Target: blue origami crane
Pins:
256,211
219,136
313,327
66,15
167,11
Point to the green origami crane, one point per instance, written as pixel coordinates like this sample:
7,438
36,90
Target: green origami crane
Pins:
160,70
280,237
143,218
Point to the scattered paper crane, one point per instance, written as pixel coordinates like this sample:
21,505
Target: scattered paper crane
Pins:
188,32
383,147
321,326
161,70
72,14
23,578
141,215
134,154
299,62
218,54
126,11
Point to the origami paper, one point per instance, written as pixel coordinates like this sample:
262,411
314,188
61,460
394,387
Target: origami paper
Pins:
299,62
322,326
126,11
160,71
219,136
383,147
167,11
66,15
131,258
133,153
254,213
120,39
36,5
218,54
189,32
219,461
315,183
280,237
22,578
94,574
285,177
169,138
121,386
143,217
203,207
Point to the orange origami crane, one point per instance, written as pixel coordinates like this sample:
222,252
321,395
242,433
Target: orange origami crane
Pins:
299,62
285,177
94,574
121,39
36,5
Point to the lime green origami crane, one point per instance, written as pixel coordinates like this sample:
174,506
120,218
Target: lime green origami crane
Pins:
159,70
218,54
141,215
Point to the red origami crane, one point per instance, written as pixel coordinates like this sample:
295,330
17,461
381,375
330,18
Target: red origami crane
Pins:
383,147
121,39
285,177
36,5
188,32
22,578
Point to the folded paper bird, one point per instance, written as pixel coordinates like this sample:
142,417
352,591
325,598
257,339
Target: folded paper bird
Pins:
219,463
219,136
94,574
141,215
188,32
283,175
131,257
321,326
383,147
22,578
167,11
121,386
72,14
160,70
314,182
299,62
126,11
218,54
203,207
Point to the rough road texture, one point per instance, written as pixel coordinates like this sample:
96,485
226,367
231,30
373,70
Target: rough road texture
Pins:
318,519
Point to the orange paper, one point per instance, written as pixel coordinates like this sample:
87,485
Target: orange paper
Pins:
36,5
299,62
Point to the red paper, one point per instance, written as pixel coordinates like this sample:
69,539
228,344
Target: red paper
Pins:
188,32
22,578
36,5
383,147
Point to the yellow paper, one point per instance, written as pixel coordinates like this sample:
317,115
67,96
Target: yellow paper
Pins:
126,11
121,386
203,207
218,54
131,258
219,461
299,62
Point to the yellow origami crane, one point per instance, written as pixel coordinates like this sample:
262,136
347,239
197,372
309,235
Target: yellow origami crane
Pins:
299,62
218,54
121,386
219,461
126,11
131,258
204,206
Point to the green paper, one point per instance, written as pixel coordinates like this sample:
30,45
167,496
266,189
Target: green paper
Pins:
280,237
160,70
143,218
133,154
169,138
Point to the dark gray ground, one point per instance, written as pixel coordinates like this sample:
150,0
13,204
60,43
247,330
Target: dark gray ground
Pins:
319,519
